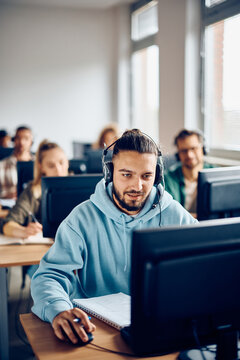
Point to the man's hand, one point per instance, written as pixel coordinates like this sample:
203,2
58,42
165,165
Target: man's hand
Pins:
63,324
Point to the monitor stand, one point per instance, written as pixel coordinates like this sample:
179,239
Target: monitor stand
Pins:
226,348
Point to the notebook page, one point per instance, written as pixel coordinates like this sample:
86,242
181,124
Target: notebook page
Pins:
114,309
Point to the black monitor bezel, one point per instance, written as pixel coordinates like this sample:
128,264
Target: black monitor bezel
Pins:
216,195
154,245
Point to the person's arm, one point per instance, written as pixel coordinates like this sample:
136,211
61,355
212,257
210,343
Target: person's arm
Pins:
13,229
19,223
55,282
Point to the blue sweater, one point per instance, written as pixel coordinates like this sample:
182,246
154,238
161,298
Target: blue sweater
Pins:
91,253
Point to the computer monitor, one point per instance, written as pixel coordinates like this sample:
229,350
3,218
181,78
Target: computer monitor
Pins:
79,149
24,174
184,284
94,160
218,193
5,152
77,166
60,195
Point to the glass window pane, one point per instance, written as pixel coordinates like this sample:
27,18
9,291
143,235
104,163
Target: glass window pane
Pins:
145,90
145,21
222,83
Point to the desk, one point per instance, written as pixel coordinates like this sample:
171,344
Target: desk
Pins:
46,346
13,255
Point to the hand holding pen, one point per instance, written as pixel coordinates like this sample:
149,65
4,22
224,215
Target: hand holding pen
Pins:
33,226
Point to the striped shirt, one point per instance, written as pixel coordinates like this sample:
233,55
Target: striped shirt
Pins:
8,178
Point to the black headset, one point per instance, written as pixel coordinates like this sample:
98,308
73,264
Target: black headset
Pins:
108,165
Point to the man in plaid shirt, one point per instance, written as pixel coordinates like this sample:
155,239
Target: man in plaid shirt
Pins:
8,167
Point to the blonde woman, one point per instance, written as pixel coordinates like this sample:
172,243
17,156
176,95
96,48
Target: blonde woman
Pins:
24,219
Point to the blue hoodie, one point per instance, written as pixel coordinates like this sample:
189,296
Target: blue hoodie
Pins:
91,253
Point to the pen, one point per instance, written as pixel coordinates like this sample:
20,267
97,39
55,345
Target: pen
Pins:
33,217
77,320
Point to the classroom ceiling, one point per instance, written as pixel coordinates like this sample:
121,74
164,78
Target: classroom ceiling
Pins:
88,4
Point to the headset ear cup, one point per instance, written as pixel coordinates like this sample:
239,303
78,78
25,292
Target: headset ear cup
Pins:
108,171
159,173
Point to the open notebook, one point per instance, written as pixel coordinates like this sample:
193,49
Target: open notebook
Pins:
114,309
34,239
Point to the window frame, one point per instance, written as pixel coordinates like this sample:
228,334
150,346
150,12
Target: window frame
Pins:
211,15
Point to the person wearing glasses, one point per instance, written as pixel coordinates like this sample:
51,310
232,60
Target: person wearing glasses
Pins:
181,179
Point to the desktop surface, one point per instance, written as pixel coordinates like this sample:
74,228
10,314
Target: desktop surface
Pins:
47,347
18,255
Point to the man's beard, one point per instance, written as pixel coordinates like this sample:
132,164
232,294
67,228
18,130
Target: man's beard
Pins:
191,166
126,206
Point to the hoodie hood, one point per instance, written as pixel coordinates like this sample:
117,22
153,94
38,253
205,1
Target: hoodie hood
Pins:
103,200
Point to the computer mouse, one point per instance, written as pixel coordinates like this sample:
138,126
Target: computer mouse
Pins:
82,343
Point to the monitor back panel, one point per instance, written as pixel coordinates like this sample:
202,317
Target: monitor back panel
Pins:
60,195
24,173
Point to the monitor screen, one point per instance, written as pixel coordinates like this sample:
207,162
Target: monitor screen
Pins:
94,160
77,166
79,149
218,193
24,174
184,282
60,195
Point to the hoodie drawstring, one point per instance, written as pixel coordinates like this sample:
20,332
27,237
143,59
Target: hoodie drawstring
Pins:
124,243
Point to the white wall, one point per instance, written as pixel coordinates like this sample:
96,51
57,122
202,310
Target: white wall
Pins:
179,66
66,72
57,71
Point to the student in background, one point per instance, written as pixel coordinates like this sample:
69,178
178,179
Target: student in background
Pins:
91,253
107,136
24,219
181,179
5,139
23,140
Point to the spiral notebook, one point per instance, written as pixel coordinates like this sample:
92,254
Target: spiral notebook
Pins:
113,309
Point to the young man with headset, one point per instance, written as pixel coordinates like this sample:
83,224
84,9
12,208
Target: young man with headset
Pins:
181,179
91,253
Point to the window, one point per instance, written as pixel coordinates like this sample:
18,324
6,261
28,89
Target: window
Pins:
145,68
145,90
145,21
222,75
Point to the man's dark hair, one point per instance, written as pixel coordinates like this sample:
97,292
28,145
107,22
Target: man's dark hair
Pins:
3,133
23,127
20,128
135,140
183,134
